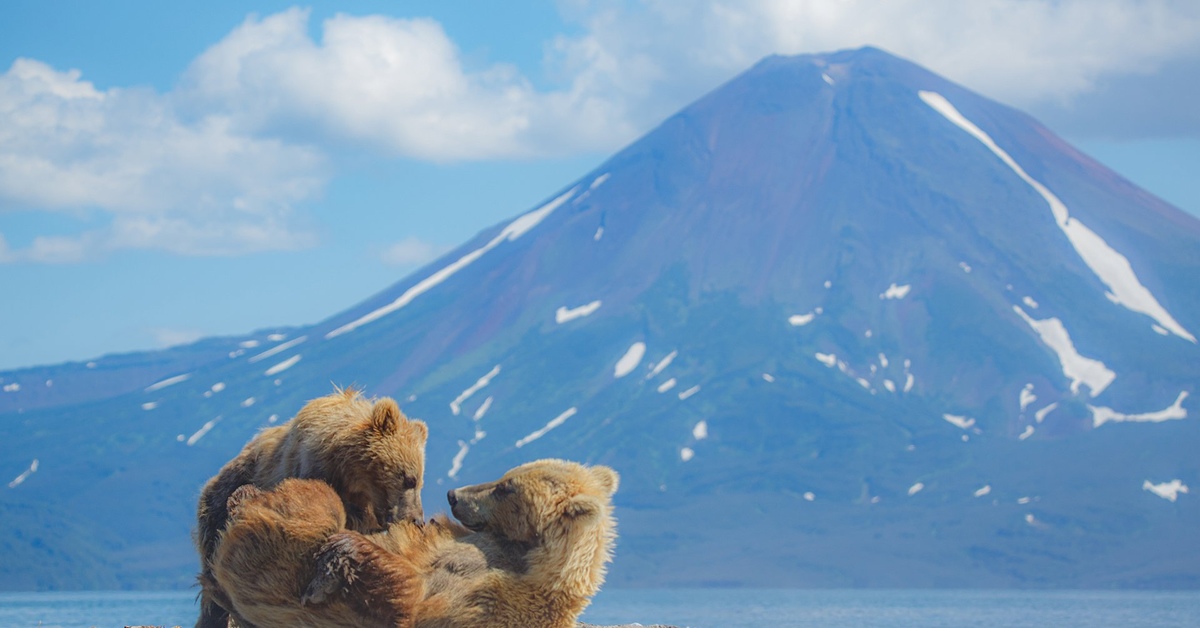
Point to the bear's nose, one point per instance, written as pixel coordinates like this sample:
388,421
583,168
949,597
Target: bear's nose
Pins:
451,498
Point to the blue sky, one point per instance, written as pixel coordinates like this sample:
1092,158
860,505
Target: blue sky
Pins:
176,170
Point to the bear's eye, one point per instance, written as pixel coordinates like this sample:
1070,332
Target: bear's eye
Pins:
410,482
504,488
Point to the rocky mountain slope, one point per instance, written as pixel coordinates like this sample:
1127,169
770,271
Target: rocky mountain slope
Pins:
840,322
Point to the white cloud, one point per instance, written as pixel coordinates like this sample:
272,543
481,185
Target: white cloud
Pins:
166,337
220,165
659,54
398,85
190,187
401,85
410,251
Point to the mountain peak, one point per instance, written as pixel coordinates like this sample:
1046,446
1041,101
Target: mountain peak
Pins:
867,61
838,291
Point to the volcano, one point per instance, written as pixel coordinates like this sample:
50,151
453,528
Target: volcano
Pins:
841,322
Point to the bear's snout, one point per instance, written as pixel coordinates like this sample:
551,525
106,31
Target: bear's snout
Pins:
452,498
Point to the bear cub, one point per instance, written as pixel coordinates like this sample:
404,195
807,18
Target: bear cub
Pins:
531,552
371,455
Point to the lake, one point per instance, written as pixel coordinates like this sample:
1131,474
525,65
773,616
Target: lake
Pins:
698,608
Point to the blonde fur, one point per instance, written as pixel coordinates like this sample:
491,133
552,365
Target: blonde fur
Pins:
531,553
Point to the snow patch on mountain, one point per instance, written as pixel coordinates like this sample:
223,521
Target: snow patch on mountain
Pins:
667,385
563,315
916,488
1027,396
278,349
555,422
686,454
514,230
1027,433
282,366
1106,263
959,421
984,490
170,381
482,409
20,479
629,361
1041,415
662,364
896,292
689,392
799,320
1167,490
456,405
828,359
700,431
1075,367
202,431
1175,411
456,463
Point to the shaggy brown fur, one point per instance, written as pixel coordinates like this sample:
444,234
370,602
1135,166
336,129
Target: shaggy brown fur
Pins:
369,453
532,555
268,555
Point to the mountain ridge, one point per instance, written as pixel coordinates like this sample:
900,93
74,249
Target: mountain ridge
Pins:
838,323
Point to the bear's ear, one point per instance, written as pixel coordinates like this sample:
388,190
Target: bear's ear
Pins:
385,416
583,509
606,477
421,430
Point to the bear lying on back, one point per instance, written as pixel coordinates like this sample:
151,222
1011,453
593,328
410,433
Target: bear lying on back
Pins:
265,559
369,453
531,553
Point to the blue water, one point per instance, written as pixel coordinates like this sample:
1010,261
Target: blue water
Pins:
699,608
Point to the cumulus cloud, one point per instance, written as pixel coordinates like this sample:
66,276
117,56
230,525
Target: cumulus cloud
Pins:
398,85
165,337
660,54
192,187
401,85
1134,106
410,251
222,164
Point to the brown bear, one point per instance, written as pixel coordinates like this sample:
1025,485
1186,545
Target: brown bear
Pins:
530,553
266,558
368,452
